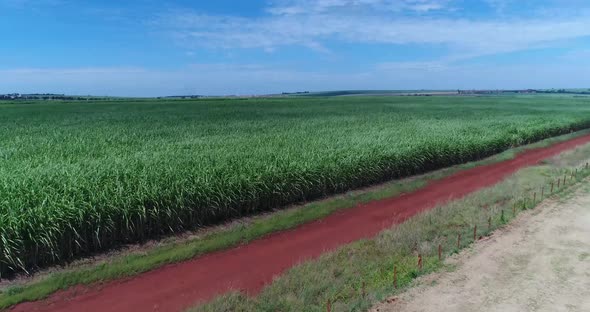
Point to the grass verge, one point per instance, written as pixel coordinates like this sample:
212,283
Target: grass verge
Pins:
128,265
358,275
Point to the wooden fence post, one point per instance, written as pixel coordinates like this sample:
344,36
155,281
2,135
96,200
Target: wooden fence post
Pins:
551,187
558,182
534,197
439,252
514,210
329,306
475,233
459,241
420,265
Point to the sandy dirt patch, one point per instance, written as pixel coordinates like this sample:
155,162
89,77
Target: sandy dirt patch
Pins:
539,263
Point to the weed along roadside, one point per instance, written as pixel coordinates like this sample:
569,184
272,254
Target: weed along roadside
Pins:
358,275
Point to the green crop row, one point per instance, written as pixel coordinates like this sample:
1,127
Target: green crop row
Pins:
82,177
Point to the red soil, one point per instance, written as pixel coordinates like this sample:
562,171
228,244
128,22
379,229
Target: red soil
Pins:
250,267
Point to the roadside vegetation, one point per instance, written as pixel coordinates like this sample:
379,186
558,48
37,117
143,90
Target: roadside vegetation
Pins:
358,275
78,178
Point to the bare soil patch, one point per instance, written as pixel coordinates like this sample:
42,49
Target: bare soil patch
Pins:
539,263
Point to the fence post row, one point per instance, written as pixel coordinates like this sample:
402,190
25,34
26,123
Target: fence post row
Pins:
420,260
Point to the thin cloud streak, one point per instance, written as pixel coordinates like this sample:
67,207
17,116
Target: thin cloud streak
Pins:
300,7
466,38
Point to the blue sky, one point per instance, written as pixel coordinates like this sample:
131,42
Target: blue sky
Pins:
152,48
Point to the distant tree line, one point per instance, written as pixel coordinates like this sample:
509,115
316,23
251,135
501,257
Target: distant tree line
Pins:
301,92
497,91
181,97
547,91
47,97
565,91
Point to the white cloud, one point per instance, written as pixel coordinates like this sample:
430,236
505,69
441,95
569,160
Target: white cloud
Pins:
499,5
417,66
464,37
296,7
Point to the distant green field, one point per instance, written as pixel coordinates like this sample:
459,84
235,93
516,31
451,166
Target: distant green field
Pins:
80,177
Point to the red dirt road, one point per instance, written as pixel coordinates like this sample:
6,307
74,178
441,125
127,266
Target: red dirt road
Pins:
250,267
